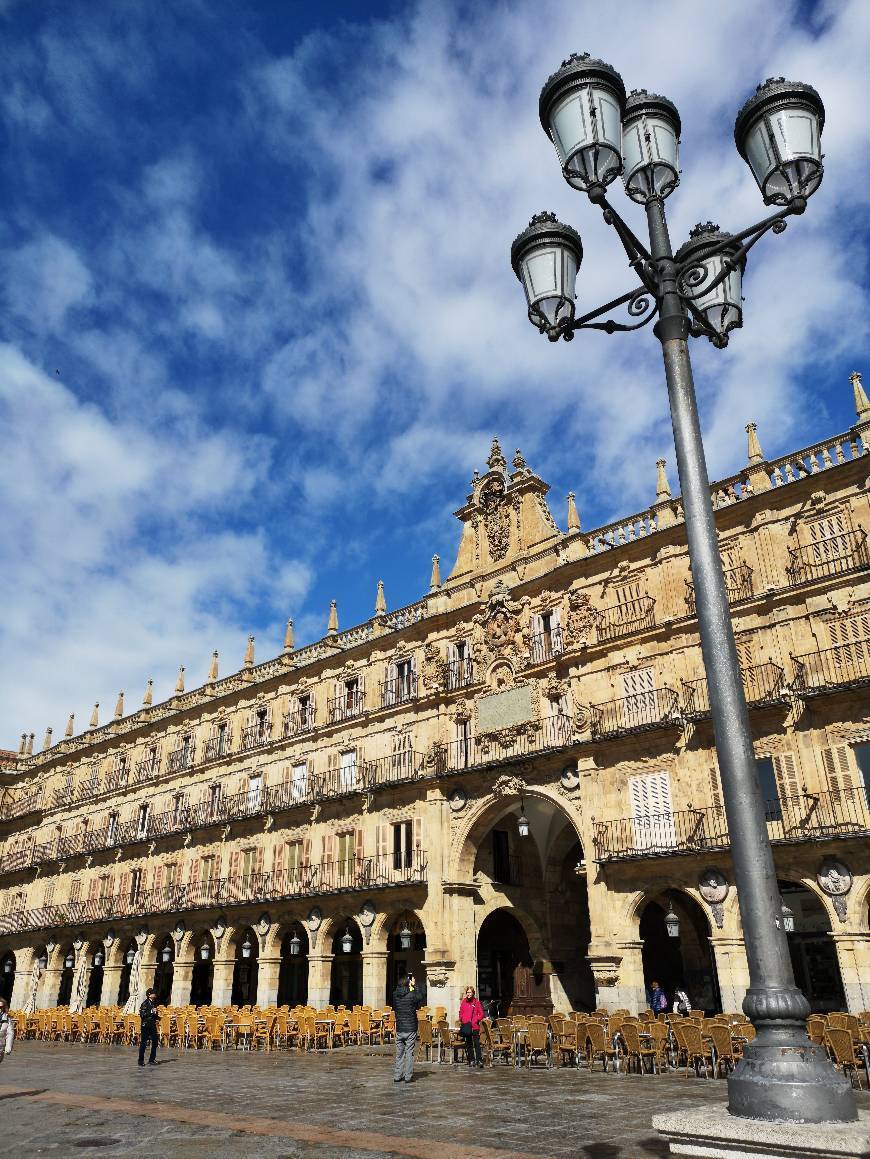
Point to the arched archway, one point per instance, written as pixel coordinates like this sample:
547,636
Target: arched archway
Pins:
64,990
813,953
202,975
677,951
406,946
509,980
165,971
95,979
345,984
126,968
246,970
7,975
293,972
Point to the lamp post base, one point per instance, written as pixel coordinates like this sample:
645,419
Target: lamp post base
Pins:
781,1080
714,1134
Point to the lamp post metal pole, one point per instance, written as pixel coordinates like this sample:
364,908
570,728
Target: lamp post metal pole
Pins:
782,1075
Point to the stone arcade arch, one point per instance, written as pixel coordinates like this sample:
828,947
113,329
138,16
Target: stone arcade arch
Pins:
164,970
813,952
7,975
202,973
346,974
293,971
246,969
406,950
685,960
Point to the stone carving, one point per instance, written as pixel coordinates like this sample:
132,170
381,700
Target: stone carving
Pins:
582,718
570,778
433,671
264,924
713,888
496,520
835,879
508,787
498,632
457,800
461,711
314,921
436,976
581,617
507,737
605,972
554,689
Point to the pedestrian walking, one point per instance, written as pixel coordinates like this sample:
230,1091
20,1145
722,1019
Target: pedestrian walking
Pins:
682,1003
148,1019
658,1000
470,1018
407,1000
7,1030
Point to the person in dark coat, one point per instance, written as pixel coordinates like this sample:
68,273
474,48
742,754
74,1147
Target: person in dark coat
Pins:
408,997
148,1018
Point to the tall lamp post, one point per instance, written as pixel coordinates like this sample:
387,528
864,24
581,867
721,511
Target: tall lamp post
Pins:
600,134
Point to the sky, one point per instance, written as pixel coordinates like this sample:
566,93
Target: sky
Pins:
258,323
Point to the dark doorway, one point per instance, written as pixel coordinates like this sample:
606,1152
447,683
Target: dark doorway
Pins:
7,977
246,971
126,968
813,953
95,982
202,976
686,959
293,973
506,980
164,972
407,946
346,979
64,992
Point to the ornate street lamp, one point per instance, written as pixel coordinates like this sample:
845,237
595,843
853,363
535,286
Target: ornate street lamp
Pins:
166,954
246,946
69,961
295,945
98,958
598,135
405,937
131,956
347,942
522,820
204,952
672,922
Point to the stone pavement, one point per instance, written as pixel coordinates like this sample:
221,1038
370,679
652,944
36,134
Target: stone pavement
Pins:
63,1099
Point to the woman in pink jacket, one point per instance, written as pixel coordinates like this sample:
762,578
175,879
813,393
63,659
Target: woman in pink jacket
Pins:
470,1018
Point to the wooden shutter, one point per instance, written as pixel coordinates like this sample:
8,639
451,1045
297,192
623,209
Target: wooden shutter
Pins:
93,888
306,851
743,643
383,845
279,859
358,845
417,853
650,796
715,789
329,847
125,886
785,769
195,868
838,772
261,853
158,877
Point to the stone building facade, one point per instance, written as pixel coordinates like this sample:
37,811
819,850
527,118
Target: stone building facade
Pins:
511,783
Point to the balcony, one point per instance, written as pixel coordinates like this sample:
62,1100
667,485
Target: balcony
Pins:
553,732
625,618
358,873
180,759
460,673
738,585
805,817
830,669
640,712
298,722
116,779
763,684
507,870
545,645
255,736
146,769
826,557
351,703
218,745
398,691
21,806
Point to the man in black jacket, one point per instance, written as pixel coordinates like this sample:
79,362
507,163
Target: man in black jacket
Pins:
407,1000
148,1018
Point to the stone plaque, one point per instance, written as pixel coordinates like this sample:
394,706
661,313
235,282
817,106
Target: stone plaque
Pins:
503,709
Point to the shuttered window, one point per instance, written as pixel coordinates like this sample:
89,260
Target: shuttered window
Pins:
838,772
715,789
652,813
828,536
640,703
348,770
299,780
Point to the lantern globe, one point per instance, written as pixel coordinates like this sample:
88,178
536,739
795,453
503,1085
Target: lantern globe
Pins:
650,146
778,132
131,956
295,945
204,953
722,305
787,919
247,947
672,922
523,824
405,937
581,108
546,257
7,966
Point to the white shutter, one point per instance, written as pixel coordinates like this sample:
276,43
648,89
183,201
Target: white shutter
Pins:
838,770
556,629
536,628
640,703
348,770
650,796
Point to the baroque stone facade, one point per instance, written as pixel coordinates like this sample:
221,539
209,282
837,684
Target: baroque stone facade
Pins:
509,783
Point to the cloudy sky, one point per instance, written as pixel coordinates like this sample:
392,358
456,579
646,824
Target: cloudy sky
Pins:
258,323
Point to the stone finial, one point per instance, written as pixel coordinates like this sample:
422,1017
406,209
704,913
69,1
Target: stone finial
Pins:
332,625
435,578
213,669
148,698
289,644
753,446
28,751
663,490
862,403
70,729
179,683
496,460
519,463
249,653
119,706
95,716
573,514
46,740
22,748
380,600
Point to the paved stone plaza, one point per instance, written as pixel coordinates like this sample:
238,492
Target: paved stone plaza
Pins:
62,1099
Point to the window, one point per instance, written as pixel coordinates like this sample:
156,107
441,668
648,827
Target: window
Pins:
255,788
151,760
640,703
207,874
862,757
653,818
305,710
404,680
501,861
351,695
223,739
171,875
262,725
778,779
345,849
142,820
464,745
135,885
178,810
214,798
459,670
347,774
299,780
186,750
75,890
48,896
403,848
402,760
249,862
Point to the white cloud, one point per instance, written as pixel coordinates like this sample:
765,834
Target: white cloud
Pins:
44,280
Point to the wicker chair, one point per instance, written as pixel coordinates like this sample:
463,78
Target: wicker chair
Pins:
537,1043
570,1043
495,1047
696,1049
635,1050
598,1047
845,1054
723,1045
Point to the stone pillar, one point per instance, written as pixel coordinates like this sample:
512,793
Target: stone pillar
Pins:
111,983
374,964
853,955
319,979
222,985
182,976
49,985
268,970
629,989
21,988
458,962
732,971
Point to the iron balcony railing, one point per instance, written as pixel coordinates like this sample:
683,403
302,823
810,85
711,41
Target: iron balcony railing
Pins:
553,732
845,666
832,556
21,806
357,873
738,585
762,683
641,712
543,646
626,618
507,870
460,673
180,759
254,736
146,769
299,721
218,745
346,706
805,817
116,779
399,690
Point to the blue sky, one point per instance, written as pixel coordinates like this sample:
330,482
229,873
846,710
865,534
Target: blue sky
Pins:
258,323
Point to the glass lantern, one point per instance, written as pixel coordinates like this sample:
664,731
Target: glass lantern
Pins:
131,956
69,961
7,966
523,823
787,918
405,937
546,257
247,947
581,111
722,304
778,133
166,954
204,953
650,146
98,958
672,922
42,962
295,945
347,942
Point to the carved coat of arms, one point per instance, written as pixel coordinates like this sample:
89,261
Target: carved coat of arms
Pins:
496,518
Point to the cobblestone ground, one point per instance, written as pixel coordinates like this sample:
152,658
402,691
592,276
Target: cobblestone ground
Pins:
63,1099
